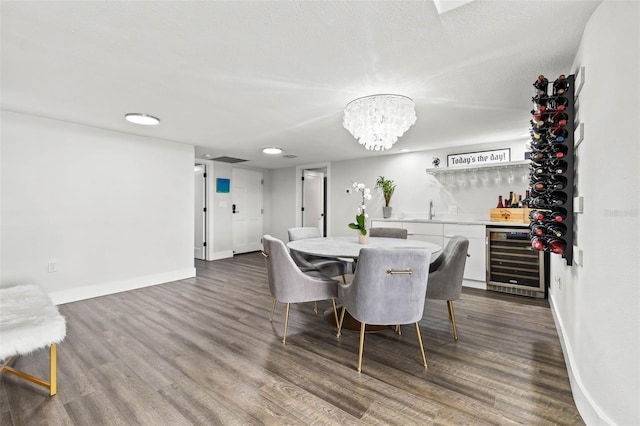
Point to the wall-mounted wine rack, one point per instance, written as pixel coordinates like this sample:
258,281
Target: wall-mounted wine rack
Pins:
551,183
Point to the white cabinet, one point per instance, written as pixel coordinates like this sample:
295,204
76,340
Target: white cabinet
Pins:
431,232
475,269
440,233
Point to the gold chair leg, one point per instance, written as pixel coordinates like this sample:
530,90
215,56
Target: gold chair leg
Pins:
362,327
315,307
53,371
344,279
452,318
399,329
273,307
335,314
340,322
286,321
424,358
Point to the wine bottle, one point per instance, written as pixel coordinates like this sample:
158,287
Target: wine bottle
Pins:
541,84
560,119
557,102
537,215
540,202
558,215
520,202
559,134
514,201
560,85
527,198
538,230
538,243
557,229
557,245
553,183
500,205
539,100
558,150
558,166
557,198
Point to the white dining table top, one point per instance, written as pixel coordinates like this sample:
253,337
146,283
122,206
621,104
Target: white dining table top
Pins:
348,247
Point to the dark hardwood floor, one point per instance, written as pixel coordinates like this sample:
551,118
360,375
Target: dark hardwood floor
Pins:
202,351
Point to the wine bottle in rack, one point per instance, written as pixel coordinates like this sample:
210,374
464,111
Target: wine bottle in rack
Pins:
560,85
556,245
557,229
557,198
538,229
541,84
538,243
558,150
558,215
558,166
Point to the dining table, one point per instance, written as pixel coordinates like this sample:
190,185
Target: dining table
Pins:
348,248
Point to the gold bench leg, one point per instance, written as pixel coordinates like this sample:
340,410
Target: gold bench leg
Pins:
53,371
51,384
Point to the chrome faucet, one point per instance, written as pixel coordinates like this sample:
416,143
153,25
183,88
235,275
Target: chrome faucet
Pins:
431,211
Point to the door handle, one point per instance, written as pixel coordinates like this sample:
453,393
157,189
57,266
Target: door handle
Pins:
233,209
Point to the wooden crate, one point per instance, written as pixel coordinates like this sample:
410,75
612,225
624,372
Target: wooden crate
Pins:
510,215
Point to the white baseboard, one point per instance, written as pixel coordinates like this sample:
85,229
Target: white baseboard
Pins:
482,285
226,254
103,289
589,410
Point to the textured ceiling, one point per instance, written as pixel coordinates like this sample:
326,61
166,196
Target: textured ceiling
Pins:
233,77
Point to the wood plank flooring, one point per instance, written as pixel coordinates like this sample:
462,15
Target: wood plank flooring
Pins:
202,351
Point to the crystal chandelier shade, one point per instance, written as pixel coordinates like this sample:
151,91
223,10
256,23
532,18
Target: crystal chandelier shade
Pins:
377,121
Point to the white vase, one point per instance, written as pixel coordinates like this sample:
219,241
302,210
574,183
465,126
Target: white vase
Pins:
363,239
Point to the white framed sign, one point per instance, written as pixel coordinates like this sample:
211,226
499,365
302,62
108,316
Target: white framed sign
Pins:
479,158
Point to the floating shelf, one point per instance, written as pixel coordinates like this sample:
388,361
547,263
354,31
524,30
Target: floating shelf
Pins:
498,166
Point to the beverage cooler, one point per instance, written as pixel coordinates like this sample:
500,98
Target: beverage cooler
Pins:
512,266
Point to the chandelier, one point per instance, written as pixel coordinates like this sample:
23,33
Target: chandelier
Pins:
377,121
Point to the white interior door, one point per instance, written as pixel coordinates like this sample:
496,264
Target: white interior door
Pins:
200,212
246,193
313,199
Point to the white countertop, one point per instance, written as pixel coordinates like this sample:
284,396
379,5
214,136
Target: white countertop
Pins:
453,221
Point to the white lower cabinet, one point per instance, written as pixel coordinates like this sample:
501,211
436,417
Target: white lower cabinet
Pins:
475,269
430,232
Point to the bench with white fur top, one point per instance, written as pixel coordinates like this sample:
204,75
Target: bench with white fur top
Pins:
29,321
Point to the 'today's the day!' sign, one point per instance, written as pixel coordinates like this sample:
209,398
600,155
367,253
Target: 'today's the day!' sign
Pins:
479,158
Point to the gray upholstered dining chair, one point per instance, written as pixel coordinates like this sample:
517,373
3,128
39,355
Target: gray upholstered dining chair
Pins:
388,288
388,232
289,284
445,276
328,267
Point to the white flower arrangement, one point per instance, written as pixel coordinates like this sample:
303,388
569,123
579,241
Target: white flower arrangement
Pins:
362,216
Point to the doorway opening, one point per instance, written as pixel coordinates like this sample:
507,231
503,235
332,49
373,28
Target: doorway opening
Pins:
200,212
314,199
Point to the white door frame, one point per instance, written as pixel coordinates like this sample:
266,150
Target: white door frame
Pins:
299,170
210,187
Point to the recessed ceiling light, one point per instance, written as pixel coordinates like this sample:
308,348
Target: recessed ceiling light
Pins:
272,150
141,118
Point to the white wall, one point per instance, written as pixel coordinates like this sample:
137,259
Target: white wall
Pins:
597,306
113,211
281,187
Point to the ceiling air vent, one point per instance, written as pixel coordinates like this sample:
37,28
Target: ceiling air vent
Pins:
289,156
229,160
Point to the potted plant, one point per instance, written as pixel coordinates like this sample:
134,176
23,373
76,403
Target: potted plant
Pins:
387,186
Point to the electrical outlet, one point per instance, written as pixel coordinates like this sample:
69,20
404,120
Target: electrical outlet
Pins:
453,209
52,266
